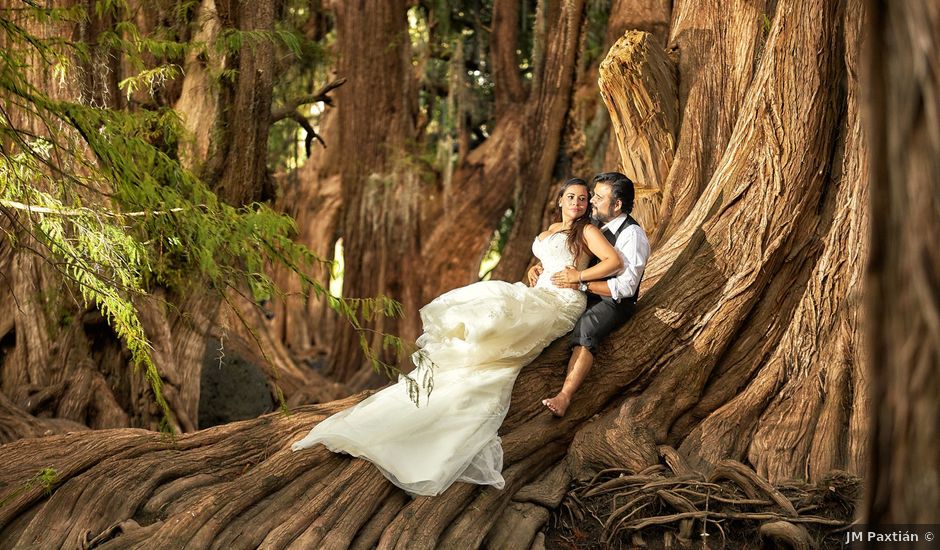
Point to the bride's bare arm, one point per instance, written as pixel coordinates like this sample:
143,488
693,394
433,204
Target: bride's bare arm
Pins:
609,260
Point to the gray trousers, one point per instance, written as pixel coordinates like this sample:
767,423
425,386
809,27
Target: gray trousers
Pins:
602,316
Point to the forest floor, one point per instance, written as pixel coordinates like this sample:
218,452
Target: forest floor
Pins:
621,510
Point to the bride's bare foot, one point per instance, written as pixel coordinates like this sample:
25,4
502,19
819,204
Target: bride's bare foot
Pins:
558,404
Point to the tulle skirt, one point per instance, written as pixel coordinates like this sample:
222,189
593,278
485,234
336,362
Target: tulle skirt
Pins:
475,341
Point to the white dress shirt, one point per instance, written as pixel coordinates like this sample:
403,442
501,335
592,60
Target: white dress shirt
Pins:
634,249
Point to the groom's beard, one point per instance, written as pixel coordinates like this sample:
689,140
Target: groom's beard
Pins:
600,218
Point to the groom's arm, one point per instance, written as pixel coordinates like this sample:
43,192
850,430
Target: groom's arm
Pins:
634,249
601,288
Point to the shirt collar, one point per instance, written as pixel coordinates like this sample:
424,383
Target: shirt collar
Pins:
614,224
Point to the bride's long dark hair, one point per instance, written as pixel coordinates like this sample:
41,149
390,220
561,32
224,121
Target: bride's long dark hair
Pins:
575,239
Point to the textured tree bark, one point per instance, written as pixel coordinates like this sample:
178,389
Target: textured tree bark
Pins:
903,276
313,197
823,352
638,84
813,373
199,110
15,423
507,82
746,241
236,177
650,16
718,45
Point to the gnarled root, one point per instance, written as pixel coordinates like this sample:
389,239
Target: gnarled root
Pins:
677,503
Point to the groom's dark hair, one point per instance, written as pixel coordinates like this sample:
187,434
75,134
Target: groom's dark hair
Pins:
621,187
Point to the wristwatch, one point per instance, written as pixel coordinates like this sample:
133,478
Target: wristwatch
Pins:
583,287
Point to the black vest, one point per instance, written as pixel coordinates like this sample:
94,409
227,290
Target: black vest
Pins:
612,239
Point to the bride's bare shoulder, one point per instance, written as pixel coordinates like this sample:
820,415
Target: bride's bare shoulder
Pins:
553,228
591,230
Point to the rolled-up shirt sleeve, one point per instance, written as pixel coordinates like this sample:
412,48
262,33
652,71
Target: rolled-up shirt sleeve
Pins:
634,249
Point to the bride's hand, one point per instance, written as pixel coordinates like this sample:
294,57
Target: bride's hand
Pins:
566,277
533,274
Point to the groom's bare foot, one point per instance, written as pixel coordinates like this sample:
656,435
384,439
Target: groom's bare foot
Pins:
558,404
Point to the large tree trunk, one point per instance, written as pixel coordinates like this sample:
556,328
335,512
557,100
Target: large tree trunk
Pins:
638,84
312,196
383,201
725,294
903,88
717,45
749,318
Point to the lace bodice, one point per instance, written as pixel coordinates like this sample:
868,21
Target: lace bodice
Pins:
553,252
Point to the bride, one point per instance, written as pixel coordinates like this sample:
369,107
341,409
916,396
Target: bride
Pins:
477,338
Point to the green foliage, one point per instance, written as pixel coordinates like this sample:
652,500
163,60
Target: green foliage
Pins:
598,13
150,79
421,380
95,253
46,478
109,7
125,37
233,40
102,196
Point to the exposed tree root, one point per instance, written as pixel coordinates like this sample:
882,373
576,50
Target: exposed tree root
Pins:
661,506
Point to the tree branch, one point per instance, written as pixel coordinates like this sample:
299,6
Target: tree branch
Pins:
508,82
81,211
311,133
290,111
320,96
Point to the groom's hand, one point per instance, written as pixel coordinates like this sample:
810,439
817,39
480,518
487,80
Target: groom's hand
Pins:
533,274
566,278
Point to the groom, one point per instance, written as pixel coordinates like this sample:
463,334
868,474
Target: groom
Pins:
610,301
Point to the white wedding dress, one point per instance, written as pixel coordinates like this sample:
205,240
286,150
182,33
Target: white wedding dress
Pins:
478,338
